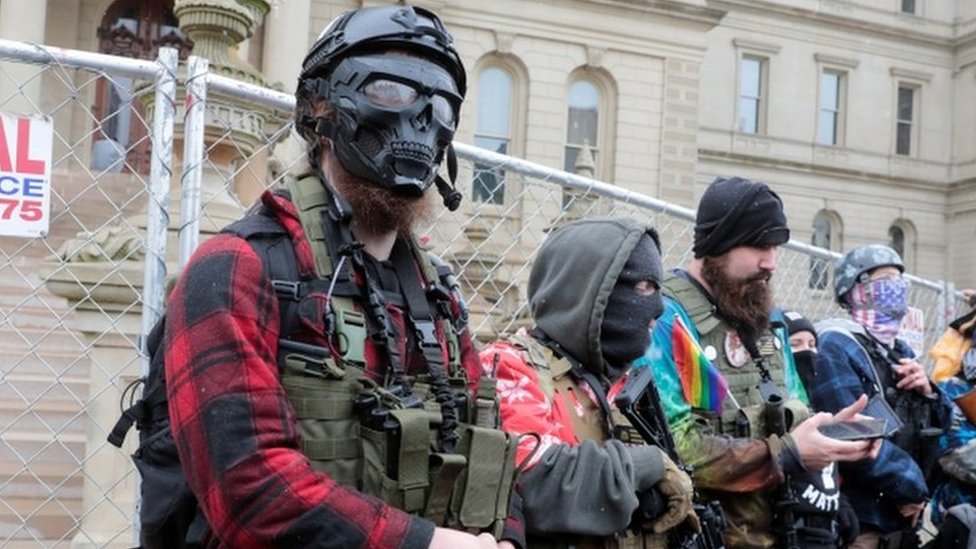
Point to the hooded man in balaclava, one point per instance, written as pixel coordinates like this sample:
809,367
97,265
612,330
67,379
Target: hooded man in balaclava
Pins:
594,293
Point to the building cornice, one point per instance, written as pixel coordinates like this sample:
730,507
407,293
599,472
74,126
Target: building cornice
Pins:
850,24
836,60
567,22
909,74
823,169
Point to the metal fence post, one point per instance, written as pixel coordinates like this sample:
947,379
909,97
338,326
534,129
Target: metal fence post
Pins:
949,310
160,174
157,223
194,125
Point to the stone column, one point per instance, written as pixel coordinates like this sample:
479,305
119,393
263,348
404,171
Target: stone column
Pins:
101,278
235,130
23,20
286,40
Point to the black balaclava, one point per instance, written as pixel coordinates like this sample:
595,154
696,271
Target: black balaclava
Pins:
738,212
625,331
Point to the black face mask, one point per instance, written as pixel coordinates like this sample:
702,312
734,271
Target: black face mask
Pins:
395,116
806,366
625,332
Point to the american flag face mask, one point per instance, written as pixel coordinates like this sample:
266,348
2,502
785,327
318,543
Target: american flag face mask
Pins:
879,306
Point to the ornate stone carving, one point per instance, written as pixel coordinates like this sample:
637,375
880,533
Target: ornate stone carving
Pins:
118,243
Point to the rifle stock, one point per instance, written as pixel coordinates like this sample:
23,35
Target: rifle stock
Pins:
640,403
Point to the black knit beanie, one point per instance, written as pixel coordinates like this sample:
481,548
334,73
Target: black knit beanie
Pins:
738,212
795,322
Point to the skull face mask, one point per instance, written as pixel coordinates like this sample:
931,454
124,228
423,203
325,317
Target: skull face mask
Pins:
394,117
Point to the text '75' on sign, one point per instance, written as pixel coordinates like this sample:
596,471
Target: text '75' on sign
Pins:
25,175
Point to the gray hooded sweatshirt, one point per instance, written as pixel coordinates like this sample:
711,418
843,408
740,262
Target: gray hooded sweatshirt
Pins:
585,489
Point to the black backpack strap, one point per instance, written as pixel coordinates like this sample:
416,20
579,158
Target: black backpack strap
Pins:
154,394
273,245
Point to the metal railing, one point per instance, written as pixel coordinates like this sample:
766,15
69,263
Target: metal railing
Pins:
76,302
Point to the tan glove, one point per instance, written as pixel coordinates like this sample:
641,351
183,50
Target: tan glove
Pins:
677,489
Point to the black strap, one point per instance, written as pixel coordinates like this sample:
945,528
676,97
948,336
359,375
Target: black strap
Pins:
581,375
336,220
425,330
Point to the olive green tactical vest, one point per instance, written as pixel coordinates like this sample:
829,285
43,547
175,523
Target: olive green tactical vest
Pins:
718,340
556,381
395,457
748,515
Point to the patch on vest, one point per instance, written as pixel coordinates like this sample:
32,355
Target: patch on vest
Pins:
735,352
768,344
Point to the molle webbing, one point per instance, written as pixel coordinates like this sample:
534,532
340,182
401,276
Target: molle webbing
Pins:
556,380
394,458
743,381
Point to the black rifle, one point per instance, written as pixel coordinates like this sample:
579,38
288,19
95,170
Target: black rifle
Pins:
640,403
774,414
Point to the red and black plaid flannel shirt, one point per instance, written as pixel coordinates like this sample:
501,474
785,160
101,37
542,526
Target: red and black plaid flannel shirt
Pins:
235,431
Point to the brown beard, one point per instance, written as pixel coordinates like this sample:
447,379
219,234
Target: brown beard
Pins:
379,210
747,303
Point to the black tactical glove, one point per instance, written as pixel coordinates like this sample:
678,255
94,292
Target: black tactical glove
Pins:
651,505
848,526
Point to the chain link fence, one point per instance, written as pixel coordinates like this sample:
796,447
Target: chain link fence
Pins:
206,143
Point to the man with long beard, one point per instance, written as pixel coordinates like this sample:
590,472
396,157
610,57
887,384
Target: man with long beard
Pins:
335,405
718,359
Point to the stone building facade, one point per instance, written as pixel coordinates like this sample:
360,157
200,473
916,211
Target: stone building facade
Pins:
860,113
662,89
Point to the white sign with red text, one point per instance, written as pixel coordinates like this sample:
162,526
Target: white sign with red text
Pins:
25,175
913,331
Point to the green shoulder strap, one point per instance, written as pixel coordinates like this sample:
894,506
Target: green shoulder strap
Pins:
312,201
542,359
699,308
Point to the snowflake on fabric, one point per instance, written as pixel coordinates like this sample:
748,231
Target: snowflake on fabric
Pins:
514,391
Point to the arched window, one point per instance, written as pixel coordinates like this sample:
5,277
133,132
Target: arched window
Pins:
826,230
130,28
493,131
583,125
902,238
896,239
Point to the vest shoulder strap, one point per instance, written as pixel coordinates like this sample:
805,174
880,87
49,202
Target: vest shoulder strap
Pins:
543,360
312,201
695,303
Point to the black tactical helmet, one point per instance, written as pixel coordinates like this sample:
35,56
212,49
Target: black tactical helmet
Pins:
370,29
